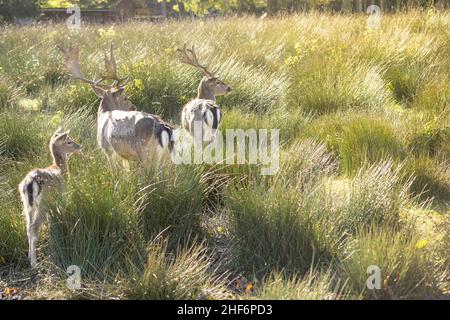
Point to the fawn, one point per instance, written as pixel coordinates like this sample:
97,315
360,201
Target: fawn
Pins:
41,185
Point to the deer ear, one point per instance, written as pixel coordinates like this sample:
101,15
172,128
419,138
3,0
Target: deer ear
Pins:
64,135
98,91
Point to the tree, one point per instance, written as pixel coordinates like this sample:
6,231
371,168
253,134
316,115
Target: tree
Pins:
205,7
70,3
10,9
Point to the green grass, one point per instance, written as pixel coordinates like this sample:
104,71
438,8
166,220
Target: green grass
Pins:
364,161
431,178
24,136
178,277
402,261
313,286
357,139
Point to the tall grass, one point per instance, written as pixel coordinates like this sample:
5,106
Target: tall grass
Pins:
278,224
24,137
357,139
172,203
100,211
402,261
313,286
179,277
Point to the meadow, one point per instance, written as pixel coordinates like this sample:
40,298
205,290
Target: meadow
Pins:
364,178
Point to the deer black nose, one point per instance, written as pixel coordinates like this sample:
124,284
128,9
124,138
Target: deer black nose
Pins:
229,89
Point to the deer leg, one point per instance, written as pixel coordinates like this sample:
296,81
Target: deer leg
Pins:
32,241
29,212
110,161
33,237
126,164
159,156
30,249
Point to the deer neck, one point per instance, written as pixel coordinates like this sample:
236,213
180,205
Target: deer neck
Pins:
204,92
60,159
102,107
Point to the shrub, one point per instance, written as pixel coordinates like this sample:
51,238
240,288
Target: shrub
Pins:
13,9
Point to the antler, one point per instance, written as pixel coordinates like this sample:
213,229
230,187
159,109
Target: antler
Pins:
73,66
111,69
192,60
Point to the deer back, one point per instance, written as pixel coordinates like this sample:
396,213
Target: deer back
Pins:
133,134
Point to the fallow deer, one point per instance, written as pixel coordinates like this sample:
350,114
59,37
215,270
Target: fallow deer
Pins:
203,109
122,131
41,186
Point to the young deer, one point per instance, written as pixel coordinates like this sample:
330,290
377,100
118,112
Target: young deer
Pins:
203,109
41,186
122,131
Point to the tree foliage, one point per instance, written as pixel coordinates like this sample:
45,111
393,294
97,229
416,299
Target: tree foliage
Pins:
81,3
205,7
9,9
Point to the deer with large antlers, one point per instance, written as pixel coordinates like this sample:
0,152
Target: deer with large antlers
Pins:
203,109
122,131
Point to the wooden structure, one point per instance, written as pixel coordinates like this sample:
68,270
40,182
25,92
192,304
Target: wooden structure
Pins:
128,9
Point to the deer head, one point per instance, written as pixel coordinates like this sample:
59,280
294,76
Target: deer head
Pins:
210,86
112,95
63,142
